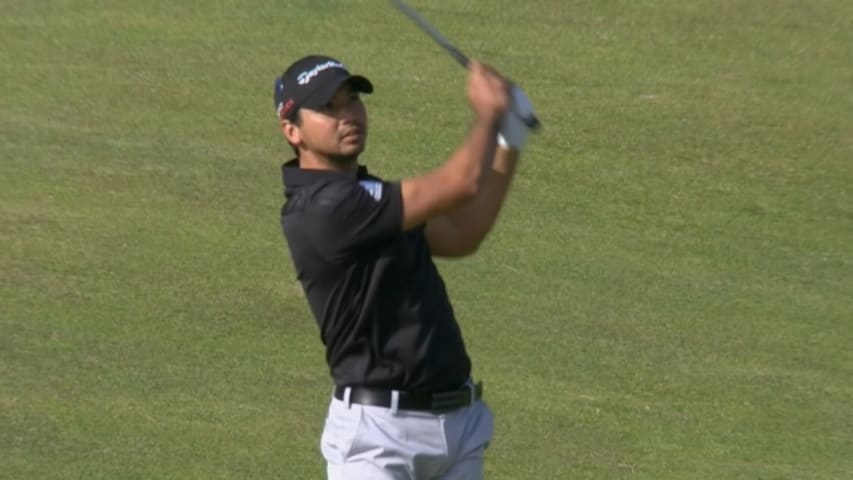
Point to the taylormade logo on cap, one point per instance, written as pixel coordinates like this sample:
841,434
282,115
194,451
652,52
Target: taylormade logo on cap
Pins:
308,75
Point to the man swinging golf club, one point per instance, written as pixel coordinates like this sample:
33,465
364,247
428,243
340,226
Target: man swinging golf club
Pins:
404,405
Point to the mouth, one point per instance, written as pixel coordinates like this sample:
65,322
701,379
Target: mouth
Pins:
353,135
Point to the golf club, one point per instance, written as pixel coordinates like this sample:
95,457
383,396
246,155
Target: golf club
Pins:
529,120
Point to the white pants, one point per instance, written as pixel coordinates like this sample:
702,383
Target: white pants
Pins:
375,443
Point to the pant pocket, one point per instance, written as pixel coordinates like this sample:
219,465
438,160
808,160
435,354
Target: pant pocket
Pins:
480,427
339,432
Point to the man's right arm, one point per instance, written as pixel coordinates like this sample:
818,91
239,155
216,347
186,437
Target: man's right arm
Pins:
454,183
458,180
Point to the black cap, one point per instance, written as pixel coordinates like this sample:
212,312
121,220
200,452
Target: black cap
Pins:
311,82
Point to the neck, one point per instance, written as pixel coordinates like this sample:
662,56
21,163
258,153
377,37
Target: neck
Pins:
312,161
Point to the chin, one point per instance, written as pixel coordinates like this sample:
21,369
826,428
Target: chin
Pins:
352,150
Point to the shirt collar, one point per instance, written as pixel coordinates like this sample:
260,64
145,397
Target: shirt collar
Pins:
294,177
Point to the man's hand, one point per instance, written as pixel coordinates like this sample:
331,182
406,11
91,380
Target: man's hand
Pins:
488,92
461,177
513,132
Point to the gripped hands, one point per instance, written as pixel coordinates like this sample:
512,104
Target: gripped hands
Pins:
488,92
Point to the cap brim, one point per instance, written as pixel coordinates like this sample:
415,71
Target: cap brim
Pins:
325,94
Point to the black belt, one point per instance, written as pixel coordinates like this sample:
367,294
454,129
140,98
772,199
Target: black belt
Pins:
435,402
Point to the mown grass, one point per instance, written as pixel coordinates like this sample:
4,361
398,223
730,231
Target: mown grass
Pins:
667,294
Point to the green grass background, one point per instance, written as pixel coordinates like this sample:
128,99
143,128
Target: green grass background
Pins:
668,294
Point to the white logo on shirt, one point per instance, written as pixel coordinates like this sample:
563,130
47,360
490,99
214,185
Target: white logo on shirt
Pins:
372,187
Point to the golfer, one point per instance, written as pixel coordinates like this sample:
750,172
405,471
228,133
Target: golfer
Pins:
404,405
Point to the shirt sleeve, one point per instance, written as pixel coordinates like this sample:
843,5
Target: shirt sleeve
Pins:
357,214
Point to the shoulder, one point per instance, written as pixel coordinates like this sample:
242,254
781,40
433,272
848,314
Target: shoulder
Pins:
326,194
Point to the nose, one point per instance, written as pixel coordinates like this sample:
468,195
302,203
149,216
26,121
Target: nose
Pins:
353,113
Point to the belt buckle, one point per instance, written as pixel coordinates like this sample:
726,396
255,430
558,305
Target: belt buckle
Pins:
445,401
455,399
472,393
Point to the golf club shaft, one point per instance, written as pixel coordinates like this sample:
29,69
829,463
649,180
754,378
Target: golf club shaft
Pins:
529,120
454,52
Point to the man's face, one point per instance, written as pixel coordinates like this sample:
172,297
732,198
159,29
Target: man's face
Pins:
337,131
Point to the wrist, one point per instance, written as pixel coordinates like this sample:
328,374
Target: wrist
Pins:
503,144
506,161
490,119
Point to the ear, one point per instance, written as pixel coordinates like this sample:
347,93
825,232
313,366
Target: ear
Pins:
291,132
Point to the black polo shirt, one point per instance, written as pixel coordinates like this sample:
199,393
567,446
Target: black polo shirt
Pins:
381,306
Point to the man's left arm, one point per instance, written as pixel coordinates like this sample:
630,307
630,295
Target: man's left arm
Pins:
460,232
